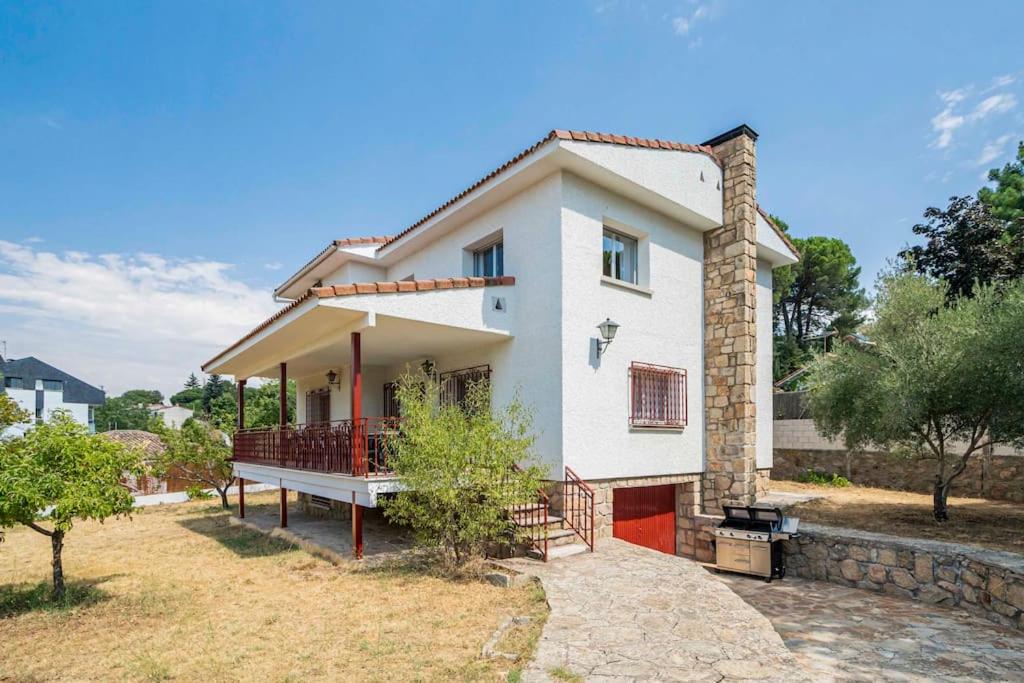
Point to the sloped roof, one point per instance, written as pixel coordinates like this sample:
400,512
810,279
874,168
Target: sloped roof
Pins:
31,369
387,287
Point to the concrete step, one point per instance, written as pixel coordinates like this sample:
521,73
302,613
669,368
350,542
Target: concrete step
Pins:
530,520
559,552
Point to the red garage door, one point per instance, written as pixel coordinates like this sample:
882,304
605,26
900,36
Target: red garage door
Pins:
646,515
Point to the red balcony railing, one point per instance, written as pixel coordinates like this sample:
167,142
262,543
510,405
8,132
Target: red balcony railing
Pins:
356,447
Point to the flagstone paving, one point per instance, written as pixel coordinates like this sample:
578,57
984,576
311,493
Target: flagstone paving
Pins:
853,634
626,613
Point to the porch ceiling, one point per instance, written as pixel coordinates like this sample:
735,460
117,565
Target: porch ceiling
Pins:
320,339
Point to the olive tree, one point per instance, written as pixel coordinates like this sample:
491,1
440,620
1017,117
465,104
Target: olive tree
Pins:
198,453
941,379
58,472
463,467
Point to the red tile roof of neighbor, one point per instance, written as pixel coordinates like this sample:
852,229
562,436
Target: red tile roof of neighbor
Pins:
147,442
389,287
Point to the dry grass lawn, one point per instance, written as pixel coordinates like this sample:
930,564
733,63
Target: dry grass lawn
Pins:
177,594
989,523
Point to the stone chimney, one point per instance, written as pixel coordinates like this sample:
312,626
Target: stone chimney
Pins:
730,334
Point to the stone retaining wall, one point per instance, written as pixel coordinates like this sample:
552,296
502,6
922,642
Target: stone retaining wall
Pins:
987,582
798,447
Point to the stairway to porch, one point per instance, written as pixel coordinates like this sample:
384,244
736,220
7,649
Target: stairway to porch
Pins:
567,530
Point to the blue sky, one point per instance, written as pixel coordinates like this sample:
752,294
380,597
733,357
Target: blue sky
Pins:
206,149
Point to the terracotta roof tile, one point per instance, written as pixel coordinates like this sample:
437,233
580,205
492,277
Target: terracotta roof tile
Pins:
390,287
339,244
577,135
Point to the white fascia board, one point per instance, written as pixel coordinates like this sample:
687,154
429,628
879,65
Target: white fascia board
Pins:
516,178
286,319
771,247
334,486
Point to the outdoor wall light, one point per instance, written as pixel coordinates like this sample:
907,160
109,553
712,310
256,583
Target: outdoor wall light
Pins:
608,329
427,366
333,380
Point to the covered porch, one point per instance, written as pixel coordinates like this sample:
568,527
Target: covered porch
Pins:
345,354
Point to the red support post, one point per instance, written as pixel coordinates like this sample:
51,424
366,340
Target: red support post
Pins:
358,466
241,426
357,528
282,408
284,507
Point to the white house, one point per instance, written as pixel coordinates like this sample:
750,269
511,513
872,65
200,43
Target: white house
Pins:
172,416
40,389
508,281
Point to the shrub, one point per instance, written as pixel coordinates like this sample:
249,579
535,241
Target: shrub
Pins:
822,479
463,467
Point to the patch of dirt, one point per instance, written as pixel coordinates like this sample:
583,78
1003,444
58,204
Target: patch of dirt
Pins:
993,524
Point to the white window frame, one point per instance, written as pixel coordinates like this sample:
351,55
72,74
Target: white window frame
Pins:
489,251
624,239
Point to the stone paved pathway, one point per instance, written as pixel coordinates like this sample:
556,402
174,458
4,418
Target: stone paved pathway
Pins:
626,613
851,634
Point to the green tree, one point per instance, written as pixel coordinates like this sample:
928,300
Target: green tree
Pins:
198,453
212,390
1006,199
966,244
941,379
122,413
820,292
11,414
459,466
61,467
262,405
190,397
192,382
143,397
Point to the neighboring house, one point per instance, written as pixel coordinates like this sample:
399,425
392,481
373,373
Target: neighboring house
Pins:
173,416
508,282
151,448
41,389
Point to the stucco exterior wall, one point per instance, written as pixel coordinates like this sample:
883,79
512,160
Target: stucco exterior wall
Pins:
52,400
354,271
764,388
663,326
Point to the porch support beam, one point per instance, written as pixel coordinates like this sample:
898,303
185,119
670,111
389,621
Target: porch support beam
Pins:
357,528
241,425
282,405
357,436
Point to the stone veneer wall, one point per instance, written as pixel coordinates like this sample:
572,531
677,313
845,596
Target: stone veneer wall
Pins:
730,333
339,510
604,496
986,582
997,477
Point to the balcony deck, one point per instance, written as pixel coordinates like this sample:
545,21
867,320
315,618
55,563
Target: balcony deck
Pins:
355,448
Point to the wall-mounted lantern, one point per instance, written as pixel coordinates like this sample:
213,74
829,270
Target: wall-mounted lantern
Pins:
428,367
333,379
608,329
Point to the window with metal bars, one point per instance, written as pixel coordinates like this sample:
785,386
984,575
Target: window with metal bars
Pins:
455,384
391,408
657,396
318,406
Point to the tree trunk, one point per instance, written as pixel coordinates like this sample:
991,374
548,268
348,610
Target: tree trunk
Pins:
940,509
57,541
223,497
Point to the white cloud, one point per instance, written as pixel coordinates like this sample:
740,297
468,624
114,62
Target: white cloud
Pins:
949,120
1001,82
996,104
993,149
123,321
273,265
683,24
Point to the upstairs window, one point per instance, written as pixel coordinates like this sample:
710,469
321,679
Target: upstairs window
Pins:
657,396
391,407
620,257
14,383
489,261
53,385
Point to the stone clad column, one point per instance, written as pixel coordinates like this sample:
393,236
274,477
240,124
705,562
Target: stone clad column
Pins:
730,334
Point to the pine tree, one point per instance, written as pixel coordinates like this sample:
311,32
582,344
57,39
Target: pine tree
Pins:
192,382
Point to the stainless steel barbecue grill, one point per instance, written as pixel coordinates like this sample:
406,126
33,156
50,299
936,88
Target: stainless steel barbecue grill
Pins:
749,540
